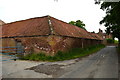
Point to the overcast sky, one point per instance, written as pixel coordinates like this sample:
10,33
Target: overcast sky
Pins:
65,10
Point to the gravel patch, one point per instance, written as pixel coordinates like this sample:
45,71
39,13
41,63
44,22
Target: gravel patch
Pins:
53,70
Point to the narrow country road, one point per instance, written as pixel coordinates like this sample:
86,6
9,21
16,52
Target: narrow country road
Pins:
103,64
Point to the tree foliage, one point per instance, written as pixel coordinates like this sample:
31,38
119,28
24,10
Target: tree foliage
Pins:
78,23
72,22
110,41
112,19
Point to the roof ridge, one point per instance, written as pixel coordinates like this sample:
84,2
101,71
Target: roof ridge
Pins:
50,25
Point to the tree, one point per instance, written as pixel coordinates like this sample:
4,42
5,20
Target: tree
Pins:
78,23
112,19
72,22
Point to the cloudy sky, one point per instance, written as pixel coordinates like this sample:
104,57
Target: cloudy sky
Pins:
65,10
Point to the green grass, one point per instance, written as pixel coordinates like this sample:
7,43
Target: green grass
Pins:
116,41
60,56
110,40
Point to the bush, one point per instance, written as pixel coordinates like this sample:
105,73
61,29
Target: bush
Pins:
110,40
116,41
71,54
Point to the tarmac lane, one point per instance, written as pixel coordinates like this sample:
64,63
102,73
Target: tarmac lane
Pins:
103,64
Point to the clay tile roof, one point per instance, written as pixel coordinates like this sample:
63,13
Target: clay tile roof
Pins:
65,29
43,26
96,36
29,27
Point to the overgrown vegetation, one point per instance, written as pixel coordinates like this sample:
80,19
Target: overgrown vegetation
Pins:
116,41
110,41
71,54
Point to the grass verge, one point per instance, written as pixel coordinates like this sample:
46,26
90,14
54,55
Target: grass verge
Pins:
60,56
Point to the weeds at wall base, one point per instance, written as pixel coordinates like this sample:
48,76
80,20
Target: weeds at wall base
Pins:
60,56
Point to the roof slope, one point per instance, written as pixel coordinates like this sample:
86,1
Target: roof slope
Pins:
65,29
29,27
43,26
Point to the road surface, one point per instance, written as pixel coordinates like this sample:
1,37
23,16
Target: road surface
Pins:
16,69
103,64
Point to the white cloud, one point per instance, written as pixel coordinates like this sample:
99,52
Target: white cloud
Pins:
65,10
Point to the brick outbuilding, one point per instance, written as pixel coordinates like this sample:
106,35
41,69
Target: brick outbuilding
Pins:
46,34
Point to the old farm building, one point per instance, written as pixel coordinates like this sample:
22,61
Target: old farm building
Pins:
46,34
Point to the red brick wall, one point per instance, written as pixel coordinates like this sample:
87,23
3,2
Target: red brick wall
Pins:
49,45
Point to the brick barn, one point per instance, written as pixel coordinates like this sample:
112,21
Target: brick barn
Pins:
46,34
